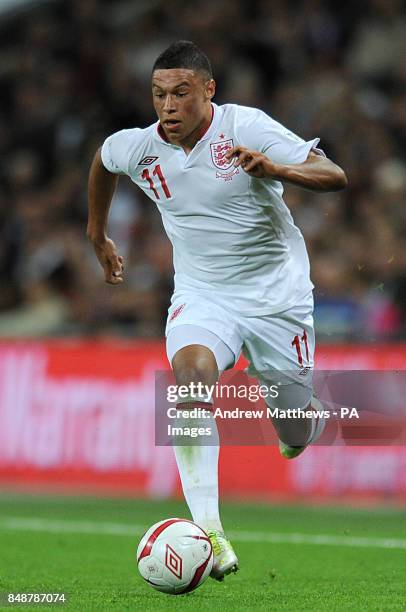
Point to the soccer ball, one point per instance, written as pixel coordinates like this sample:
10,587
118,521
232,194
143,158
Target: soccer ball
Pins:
175,556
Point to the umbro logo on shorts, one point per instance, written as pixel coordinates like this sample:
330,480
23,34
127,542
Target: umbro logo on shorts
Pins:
177,312
147,161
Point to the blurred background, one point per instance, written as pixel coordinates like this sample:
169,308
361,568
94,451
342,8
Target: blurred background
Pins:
73,72
73,410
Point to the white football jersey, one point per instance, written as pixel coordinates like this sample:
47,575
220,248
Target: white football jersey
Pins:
233,237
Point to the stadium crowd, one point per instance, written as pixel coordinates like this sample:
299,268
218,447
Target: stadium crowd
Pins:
73,72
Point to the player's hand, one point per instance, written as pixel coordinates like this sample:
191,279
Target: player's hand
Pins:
253,163
112,264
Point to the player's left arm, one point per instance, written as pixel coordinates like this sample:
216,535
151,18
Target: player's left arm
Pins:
317,172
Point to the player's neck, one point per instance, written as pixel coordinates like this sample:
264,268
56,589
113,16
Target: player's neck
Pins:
190,141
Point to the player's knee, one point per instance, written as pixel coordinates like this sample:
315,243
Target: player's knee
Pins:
194,364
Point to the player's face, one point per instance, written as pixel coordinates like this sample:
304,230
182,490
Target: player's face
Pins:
182,102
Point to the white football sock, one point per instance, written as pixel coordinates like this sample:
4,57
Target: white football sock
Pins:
198,470
318,421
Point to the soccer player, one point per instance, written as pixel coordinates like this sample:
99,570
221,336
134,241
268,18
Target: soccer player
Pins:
241,267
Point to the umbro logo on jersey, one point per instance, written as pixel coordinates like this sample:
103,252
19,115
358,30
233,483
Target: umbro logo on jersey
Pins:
147,161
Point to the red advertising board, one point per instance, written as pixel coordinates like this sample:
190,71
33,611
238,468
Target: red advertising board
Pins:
79,416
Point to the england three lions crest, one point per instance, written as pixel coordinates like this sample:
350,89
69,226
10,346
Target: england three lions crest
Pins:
218,154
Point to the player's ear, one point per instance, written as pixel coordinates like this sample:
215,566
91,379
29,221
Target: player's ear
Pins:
210,89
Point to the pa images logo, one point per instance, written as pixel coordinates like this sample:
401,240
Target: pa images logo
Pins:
218,152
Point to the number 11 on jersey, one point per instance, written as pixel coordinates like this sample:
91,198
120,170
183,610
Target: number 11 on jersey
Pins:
156,172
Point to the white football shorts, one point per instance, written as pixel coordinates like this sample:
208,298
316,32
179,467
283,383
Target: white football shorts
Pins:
279,347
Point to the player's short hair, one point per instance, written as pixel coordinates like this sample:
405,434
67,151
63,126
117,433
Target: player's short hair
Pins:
184,54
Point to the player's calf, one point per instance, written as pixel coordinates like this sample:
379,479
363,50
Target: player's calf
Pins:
197,456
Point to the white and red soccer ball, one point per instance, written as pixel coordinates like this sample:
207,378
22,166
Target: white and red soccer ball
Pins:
175,556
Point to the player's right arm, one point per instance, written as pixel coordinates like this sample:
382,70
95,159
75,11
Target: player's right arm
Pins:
101,187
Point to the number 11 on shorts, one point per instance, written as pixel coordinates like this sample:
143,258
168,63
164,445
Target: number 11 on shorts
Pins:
296,342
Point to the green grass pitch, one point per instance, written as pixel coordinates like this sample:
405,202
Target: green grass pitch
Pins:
86,548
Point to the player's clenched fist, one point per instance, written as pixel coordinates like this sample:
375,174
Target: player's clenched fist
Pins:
254,163
112,264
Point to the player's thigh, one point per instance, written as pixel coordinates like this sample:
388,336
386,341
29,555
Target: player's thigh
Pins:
197,321
196,354
280,350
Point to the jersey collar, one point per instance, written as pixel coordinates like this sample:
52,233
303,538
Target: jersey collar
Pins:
206,132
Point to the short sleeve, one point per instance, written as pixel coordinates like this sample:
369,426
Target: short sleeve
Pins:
118,149
260,132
